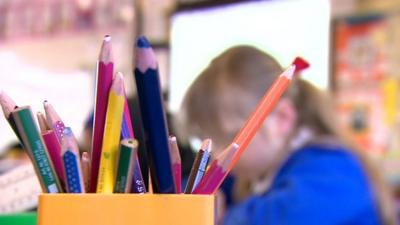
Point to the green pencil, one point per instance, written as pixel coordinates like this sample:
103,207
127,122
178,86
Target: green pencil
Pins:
33,143
126,162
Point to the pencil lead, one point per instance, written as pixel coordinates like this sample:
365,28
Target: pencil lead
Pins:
206,145
142,42
301,64
107,38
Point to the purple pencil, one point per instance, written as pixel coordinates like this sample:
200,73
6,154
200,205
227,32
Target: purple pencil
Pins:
104,76
138,185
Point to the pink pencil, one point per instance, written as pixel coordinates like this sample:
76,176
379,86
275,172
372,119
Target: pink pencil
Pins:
176,163
217,171
104,76
53,145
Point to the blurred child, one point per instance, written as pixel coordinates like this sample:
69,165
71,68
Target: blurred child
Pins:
297,169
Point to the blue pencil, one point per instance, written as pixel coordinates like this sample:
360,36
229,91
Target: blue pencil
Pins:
71,163
153,117
199,166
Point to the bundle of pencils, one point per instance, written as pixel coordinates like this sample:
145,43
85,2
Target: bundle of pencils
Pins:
113,165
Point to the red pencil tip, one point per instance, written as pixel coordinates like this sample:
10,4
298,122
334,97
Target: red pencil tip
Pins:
301,64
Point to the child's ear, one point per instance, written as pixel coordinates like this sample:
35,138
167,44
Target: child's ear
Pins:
286,116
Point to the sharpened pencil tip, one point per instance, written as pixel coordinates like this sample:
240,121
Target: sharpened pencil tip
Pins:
300,63
107,38
142,42
120,75
206,145
172,138
45,103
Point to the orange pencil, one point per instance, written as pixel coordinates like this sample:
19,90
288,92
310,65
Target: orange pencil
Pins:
256,120
263,109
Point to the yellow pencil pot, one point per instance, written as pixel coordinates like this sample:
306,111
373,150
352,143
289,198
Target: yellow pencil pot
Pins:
124,209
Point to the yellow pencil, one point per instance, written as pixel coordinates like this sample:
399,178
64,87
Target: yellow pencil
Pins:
112,132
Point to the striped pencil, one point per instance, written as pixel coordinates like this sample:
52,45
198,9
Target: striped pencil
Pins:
153,117
85,161
138,184
104,76
176,163
8,105
199,166
126,165
53,146
71,162
54,121
33,143
217,172
112,132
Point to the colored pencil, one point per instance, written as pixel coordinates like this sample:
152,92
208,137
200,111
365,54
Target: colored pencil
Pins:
176,163
71,162
265,106
126,161
199,166
37,151
217,171
53,146
8,106
54,121
112,132
42,122
153,117
256,120
85,161
104,76
126,127
138,184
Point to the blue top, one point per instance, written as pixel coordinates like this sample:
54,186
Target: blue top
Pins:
315,185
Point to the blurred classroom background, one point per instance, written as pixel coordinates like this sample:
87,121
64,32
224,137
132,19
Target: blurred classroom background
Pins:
49,48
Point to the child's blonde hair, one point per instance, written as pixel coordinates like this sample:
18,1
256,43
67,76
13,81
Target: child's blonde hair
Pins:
232,86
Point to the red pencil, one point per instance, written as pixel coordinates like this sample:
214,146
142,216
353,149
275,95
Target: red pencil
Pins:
53,146
176,163
104,77
217,171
